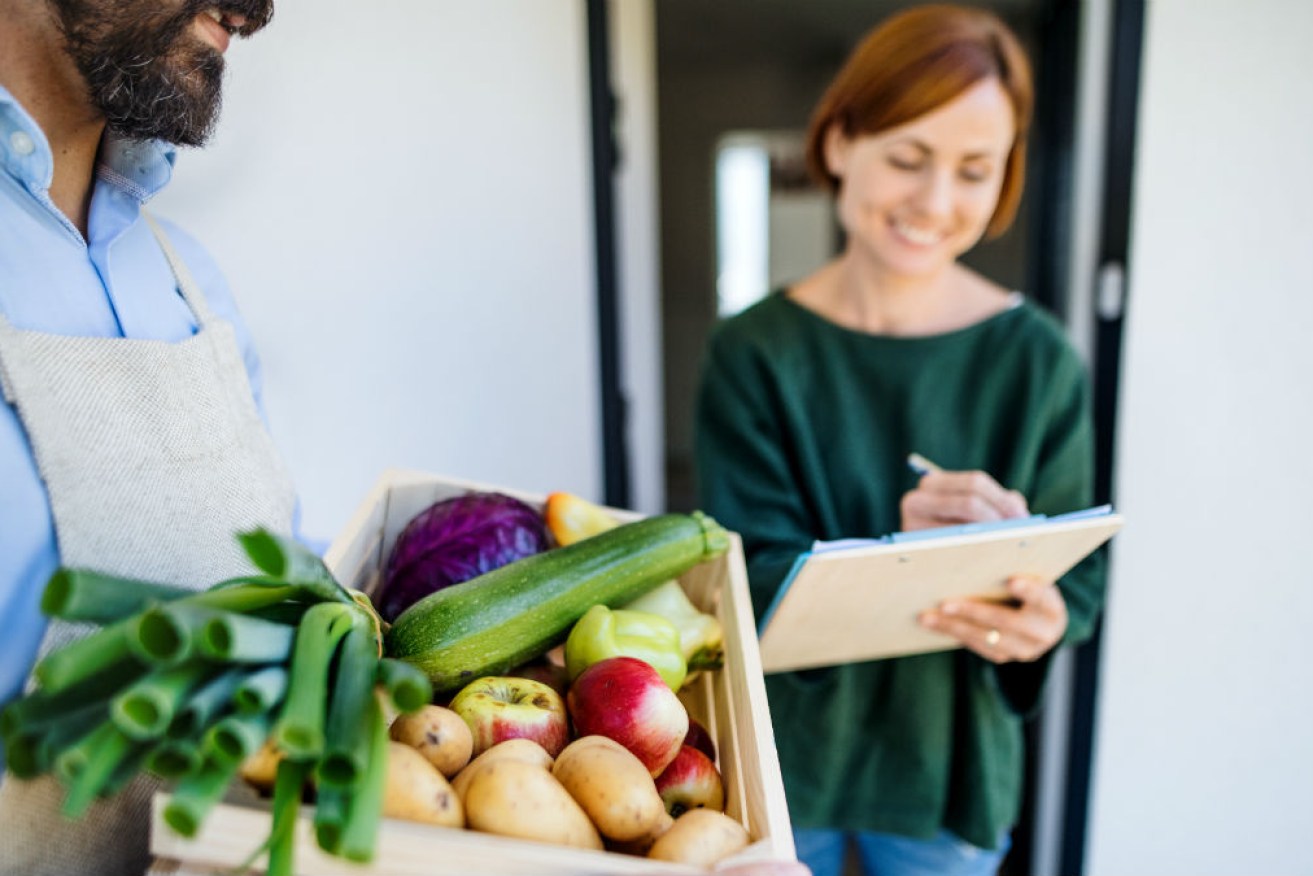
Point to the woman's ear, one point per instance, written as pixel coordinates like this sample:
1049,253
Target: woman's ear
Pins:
836,150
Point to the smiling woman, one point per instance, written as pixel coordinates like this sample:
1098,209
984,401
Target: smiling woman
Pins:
812,399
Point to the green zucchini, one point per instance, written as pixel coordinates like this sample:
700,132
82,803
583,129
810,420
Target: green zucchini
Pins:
510,615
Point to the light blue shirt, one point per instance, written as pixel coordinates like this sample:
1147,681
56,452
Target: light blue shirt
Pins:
115,284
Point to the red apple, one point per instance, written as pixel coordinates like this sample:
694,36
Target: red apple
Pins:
691,782
499,708
625,699
699,738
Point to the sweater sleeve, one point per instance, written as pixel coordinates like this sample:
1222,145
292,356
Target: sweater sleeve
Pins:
746,477
1064,481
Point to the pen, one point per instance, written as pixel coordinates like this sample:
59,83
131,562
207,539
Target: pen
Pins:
919,464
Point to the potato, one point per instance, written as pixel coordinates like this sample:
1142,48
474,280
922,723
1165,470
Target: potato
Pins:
512,798
700,837
261,769
416,791
522,750
439,734
612,786
643,844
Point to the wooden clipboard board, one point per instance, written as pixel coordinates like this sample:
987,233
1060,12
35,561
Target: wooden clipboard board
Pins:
862,603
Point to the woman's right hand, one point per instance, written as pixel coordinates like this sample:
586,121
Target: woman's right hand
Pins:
947,498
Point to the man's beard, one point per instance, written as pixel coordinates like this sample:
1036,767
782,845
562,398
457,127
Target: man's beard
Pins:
146,72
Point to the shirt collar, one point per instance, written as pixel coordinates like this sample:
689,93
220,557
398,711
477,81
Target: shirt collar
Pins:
138,167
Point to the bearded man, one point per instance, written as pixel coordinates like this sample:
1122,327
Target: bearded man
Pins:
132,439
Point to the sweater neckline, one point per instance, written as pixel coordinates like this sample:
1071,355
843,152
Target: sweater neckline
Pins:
1017,303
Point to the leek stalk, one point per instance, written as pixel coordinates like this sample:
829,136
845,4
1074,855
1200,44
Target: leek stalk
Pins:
407,685
347,741
90,597
360,831
261,691
299,730
196,795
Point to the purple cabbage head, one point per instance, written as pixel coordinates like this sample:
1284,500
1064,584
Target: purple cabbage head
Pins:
455,540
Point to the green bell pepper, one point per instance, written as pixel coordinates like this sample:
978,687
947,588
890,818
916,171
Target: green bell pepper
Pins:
700,634
602,633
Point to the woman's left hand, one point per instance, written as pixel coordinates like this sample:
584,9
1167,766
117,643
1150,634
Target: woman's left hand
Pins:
1003,633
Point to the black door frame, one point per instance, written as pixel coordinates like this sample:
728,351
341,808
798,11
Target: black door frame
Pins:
1114,255
602,110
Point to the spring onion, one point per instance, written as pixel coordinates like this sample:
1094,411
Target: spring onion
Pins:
299,730
145,709
347,742
407,685
360,831
90,597
237,638
261,691
196,795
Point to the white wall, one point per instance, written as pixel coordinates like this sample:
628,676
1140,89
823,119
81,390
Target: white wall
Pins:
399,193
1204,759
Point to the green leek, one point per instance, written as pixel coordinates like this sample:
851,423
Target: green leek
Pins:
90,597
261,691
299,730
347,742
237,638
360,832
407,685
197,794
145,709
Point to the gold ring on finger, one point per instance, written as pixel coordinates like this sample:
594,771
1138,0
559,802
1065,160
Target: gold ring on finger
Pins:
992,637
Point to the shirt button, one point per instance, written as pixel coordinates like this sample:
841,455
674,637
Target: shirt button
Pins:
22,142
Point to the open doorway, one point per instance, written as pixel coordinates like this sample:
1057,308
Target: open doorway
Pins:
736,82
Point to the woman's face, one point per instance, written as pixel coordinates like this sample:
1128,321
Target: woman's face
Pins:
915,197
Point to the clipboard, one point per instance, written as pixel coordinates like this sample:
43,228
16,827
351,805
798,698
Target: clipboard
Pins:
856,600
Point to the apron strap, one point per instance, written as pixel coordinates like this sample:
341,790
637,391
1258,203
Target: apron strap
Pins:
191,292
7,333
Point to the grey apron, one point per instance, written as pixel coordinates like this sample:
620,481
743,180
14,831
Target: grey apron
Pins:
153,455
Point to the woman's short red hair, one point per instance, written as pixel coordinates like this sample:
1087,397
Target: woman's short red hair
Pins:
916,62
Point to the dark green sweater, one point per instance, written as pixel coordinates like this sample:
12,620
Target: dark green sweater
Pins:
803,432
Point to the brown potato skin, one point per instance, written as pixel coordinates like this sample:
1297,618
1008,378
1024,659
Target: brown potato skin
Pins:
416,791
261,769
700,837
612,785
439,734
512,798
522,750
643,844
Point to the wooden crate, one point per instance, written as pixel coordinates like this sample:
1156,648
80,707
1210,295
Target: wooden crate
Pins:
731,703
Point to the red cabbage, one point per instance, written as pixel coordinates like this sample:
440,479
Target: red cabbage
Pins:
455,540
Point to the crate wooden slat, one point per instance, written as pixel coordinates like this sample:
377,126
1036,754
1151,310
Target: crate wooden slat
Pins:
731,703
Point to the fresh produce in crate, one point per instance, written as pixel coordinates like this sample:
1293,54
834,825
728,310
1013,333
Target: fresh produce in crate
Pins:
572,518
514,614
700,634
439,734
285,678
280,671
498,708
691,781
455,540
603,633
626,700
